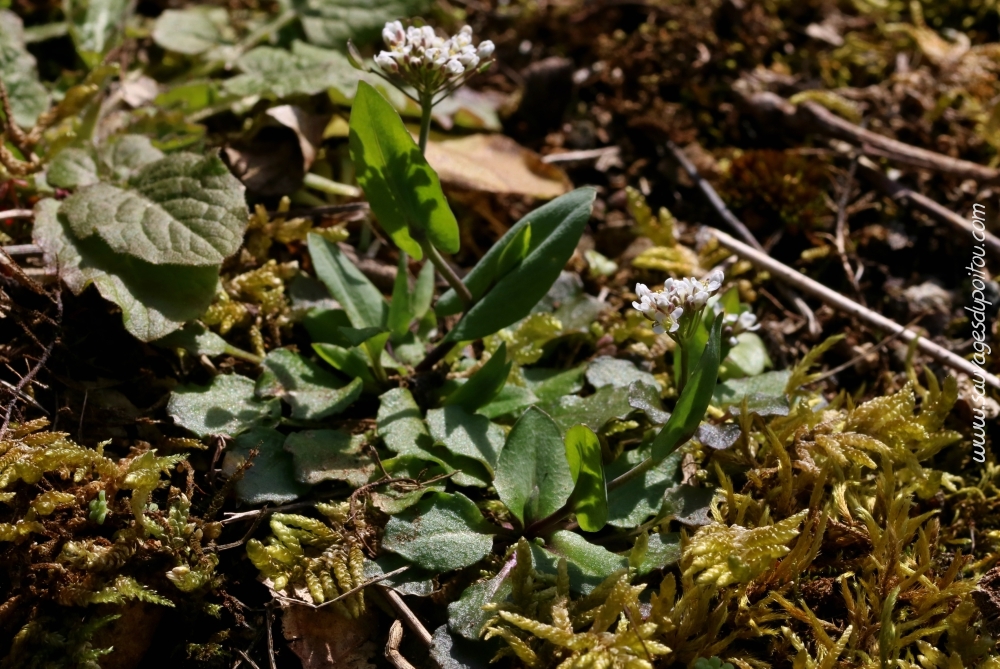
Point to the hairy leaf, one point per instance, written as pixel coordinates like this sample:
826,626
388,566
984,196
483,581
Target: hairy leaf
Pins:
466,434
332,22
364,304
590,495
485,384
501,300
441,533
271,478
329,455
227,406
312,392
181,210
28,97
191,31
533,477
276,73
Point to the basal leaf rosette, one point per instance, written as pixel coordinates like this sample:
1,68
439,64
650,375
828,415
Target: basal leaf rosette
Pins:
152,244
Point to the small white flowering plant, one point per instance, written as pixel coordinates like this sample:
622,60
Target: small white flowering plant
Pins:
680,310
418,59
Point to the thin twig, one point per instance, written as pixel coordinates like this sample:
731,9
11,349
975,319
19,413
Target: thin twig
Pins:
408,616
350,592
789,275
270,638
922,203
874,144
841,230
243,515
16,213
582,155
247,658
26,379
246,537
392,647
741,229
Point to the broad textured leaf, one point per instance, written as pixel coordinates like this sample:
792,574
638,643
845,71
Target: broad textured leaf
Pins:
413,581
586,466
551,384
558,217
329,455
182,210
466,616
364,304
227,406
533,478
765,394
608,371
312,392
597,409
485,384
748,358
125,155
72,168
402,189
404,432
94,26
191,31
588,564
28,97
555,231
456,653
117,159
270,479
441,533
277,73
332,22
694,400
635,502
194,338
688,504
663,550
390,500
155,299
467,434
510,400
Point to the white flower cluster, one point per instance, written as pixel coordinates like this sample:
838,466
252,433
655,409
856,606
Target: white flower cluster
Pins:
679,296
426,61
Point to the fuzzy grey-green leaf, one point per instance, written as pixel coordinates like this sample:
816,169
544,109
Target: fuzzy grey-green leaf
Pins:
183,210
227,406
441,533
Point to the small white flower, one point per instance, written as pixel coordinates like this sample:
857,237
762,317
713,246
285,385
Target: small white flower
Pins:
485,49
386,61
454,67
393,33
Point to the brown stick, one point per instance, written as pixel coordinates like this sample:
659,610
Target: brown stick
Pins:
392,647
789,275
875,144
921,202
408,616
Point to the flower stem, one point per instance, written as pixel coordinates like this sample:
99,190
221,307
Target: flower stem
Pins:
447,272
426,105
330,186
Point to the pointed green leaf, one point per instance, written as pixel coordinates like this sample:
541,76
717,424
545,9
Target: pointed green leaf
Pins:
401,307
590,496
441,533
588,564
467,434
695,398
364,304
485,384
533,478
423,291
555,231
312,392
402,189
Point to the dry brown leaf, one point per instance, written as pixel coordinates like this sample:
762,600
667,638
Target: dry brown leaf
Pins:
324,639
495,164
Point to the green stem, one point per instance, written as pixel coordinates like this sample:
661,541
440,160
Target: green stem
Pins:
243,355
426,105
330,186
447,272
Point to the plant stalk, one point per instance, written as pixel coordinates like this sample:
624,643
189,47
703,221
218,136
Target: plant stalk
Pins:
329,186
447,272
426,105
